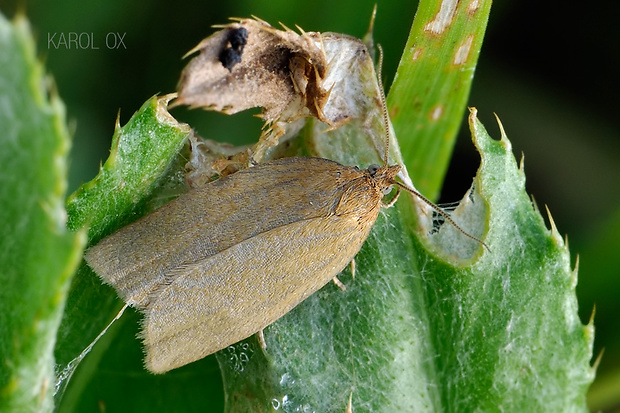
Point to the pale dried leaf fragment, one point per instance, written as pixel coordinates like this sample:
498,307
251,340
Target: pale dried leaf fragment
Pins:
251,64
209,160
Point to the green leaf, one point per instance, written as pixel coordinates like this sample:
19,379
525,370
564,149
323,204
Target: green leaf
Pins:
508,331
38,256
429,93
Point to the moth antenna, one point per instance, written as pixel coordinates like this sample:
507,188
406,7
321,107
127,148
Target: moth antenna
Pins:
442,213
386,122
386,119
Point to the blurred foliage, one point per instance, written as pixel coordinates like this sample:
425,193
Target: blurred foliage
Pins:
38,255
549,91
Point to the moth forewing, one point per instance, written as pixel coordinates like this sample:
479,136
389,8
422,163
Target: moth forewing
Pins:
225,298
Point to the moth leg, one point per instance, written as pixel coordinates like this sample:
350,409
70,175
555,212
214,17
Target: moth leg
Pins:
261,340
268,138
352,264
393,200
339,284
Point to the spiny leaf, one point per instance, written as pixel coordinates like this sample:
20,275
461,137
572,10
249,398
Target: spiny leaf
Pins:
506,327
141,152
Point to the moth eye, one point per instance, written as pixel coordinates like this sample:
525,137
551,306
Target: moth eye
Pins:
372,170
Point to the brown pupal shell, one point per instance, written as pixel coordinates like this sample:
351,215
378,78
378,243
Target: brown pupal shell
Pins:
224,261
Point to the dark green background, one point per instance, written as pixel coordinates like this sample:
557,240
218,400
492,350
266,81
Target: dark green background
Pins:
549,70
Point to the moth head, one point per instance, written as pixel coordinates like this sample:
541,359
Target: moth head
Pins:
384,176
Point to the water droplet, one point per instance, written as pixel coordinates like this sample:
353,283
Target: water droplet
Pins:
286,379
239,356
